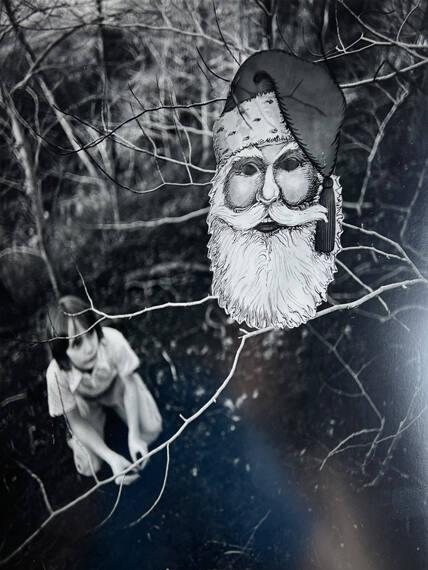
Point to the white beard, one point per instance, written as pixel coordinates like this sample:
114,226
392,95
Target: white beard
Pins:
269,280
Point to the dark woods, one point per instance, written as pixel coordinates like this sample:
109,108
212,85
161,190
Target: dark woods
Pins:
312,457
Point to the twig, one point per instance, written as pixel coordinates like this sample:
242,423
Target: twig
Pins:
394,244
364,285
409,210
375,78
12,399
140,224
339,447
158,498
369,296
350,371
95,142
113,510
373,250
403,23
41,486
375,147
171,365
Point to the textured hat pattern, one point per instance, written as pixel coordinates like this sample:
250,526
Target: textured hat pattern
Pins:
255,122
311,106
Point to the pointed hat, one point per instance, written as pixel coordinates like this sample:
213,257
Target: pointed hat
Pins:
276,96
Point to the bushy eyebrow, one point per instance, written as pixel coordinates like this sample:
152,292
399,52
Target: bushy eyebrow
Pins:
243,160
248,152
294,151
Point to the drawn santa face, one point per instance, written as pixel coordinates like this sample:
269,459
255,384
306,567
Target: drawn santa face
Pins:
264,209
275,207
269,173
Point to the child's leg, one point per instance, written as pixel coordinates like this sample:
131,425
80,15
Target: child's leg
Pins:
86,461
150,421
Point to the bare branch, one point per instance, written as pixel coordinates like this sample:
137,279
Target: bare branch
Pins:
41,486
369,296
379,137
149,223
158,498
404,22
373,250
394,244
11,399
115,505
376,78
364,285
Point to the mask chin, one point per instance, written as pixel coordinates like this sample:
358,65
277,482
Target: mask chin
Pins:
276,282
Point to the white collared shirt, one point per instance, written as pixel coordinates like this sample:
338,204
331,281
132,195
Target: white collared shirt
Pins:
114,358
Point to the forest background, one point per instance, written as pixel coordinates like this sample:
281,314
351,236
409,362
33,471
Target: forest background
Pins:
313,456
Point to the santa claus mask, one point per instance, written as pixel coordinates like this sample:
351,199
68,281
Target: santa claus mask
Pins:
266,216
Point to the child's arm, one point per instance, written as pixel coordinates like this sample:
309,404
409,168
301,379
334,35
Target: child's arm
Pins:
143,418
137,446
91,439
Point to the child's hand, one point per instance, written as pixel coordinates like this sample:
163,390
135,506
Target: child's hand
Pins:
137,448
118,464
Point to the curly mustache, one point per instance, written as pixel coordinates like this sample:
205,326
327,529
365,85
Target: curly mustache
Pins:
277,211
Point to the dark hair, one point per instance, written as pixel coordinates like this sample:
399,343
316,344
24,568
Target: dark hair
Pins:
58,319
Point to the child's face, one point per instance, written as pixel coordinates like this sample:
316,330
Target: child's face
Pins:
82,350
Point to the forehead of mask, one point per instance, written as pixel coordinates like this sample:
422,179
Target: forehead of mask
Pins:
281,165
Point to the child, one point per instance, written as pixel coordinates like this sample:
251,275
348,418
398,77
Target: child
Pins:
89,373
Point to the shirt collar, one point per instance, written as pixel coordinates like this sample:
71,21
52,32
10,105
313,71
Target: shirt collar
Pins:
101,362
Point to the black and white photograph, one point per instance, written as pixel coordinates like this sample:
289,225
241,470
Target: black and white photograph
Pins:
214,285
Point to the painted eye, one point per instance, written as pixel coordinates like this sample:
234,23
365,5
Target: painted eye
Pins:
290,163
249,169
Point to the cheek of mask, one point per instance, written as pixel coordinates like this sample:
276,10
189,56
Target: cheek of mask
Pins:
297,186
241,191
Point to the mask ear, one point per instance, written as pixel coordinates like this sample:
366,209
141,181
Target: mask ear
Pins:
326,231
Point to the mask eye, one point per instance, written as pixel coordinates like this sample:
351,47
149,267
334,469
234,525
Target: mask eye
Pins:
249,169
290,163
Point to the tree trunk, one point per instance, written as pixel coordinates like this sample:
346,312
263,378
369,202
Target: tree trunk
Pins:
108,149
32,188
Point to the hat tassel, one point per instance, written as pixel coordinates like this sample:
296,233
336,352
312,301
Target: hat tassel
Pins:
325,235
